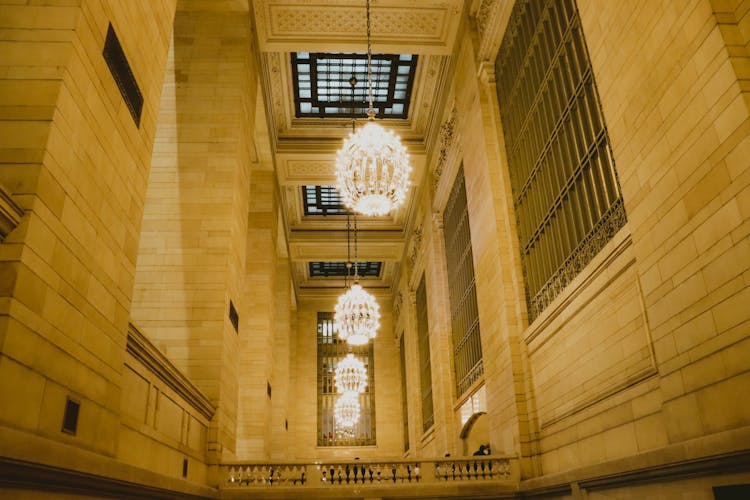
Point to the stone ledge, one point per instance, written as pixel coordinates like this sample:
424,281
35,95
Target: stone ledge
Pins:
720,453
152,358
32,462
10,213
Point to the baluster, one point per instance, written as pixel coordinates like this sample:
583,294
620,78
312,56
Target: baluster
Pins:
362,475
417,472
348,471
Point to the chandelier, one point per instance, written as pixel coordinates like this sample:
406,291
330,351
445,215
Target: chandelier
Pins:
356,318
350,375
372,167
346,410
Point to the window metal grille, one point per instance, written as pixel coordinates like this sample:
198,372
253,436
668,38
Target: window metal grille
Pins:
404,396
118,65
338,269
467,345
322,200
566,193
330,352
322,88
425,368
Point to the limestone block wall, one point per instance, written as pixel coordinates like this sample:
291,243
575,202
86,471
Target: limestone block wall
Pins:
303,430
258,320
191,258
678,117
72,156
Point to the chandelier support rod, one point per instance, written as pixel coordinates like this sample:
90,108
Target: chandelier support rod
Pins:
371,110
356,267
348,255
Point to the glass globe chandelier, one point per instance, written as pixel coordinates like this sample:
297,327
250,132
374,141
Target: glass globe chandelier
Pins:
346,411
372,167
350,375
356,318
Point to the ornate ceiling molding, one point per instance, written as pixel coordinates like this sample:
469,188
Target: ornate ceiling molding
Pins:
338,25
490,18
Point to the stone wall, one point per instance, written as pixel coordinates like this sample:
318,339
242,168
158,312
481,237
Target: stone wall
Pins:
191,259
75,160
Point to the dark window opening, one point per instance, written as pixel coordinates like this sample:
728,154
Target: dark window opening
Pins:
123,75
70,417
234,317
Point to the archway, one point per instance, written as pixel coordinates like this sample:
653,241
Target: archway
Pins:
475,433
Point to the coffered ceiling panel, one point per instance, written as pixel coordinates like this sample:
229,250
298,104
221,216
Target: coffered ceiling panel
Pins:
338,25
304,148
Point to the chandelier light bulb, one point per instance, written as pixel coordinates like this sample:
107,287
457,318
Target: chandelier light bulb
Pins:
350,375
357,316
372,169
346,410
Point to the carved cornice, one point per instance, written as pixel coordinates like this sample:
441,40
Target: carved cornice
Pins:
487,22
152,358
10,213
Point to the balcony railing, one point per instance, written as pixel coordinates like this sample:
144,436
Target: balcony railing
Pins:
494,471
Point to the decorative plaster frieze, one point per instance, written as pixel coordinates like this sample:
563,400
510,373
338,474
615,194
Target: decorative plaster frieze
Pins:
446,139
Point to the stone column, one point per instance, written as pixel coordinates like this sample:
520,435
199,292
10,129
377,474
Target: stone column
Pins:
191,263
259,324
441,344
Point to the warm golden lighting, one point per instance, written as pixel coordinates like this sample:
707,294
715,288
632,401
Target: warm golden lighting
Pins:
346,411
350,375
357,316
373,170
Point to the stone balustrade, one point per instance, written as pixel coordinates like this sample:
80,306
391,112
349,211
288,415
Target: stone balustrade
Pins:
364,473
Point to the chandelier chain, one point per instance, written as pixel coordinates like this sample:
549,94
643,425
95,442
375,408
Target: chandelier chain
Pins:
348,254
371,111
356,267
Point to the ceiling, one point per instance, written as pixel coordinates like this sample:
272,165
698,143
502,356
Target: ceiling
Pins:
303,150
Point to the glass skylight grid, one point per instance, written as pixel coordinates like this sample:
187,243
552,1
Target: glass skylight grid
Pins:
322,200
338,269
322,88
